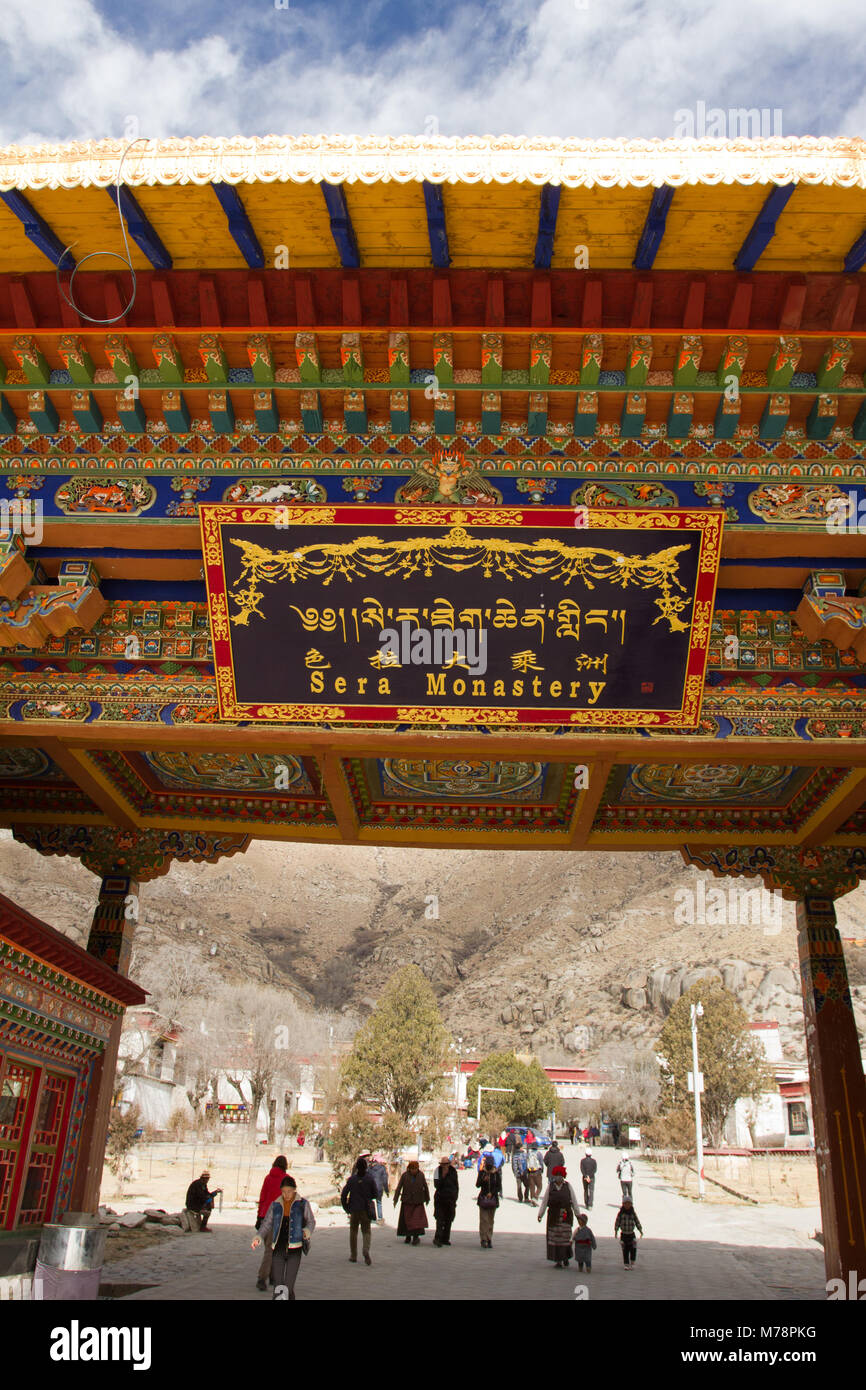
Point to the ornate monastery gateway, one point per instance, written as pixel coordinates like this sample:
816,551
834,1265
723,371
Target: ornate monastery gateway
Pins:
643,479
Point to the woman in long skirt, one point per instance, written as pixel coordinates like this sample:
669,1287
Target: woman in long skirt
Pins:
489,1181
413,1194
560,1203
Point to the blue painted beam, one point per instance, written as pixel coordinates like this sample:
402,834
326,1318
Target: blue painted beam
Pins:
653,228
37,230
548,211
857,255
141,231
436,228
763,229
240,225
341,225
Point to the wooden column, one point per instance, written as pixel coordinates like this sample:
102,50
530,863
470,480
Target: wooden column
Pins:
110,939
837,1085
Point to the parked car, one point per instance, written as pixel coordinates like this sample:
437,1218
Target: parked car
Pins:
542,1140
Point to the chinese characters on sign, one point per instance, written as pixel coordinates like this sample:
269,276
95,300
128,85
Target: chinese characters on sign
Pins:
413,614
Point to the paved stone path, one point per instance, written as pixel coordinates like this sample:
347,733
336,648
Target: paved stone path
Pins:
689,1252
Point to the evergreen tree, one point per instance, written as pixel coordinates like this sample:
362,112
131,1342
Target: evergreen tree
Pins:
399,1054
730,1059
534,1095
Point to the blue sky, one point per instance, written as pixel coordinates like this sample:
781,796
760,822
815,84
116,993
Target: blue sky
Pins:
81,69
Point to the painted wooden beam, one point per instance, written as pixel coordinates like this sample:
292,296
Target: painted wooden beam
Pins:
540,350
8,418
536,420
169,362
638,361
399,371
491,412
774,419
680,415
240,226
261,358
783,363
822,418
355,412
653,228
436,226
591,354
763,229
311,412
42,411
266,412
631,420
586,414
548,211
37,230
86,411
130,413
834,364
491,359
143,234
341,225
352,358
213,358
444,413
727,417
856,257
121,357
175,412
688,360
399,407
221,410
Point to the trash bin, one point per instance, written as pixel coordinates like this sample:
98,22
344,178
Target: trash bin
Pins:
69,1262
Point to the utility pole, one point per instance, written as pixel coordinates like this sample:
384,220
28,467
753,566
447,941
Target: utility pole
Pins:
697,1011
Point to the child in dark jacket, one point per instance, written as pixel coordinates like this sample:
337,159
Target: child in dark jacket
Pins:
584,1243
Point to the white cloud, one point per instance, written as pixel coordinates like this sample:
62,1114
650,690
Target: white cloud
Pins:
617,67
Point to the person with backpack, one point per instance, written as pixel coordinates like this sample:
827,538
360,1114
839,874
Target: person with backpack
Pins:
290,1223
625,1173
489,1183
588,1167
379,1174
520,1171
560,1203
534,1173
358,1200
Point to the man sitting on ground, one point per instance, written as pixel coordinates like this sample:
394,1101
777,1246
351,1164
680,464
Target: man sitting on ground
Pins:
199,1203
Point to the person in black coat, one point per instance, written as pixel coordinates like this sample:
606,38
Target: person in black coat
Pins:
445,1191
489,1180
553,1158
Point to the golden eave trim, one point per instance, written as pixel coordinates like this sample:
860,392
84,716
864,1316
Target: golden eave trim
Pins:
833,162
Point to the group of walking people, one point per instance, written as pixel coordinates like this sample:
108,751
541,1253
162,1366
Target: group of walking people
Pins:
285,1221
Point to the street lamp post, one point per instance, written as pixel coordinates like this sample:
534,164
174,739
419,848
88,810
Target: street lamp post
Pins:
696,1012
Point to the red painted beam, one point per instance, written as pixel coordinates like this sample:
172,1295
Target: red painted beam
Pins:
469,300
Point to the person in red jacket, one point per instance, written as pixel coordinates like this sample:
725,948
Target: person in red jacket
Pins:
269,1194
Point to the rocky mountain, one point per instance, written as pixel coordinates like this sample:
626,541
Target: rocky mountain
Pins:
559,953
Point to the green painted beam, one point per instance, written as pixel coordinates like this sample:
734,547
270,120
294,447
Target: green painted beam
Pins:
86,410
31,360
169,362
640,351
491,412
540,351
688,361
727,419
213,358
261,359
398,359
121,357
352,359
783,363
399,406
834,364
42,412
822,418
536,419
307,354
311,412
175,412
586,414
355,412
76,359
266,412
732,361
680,415
491,359
591,354
774,420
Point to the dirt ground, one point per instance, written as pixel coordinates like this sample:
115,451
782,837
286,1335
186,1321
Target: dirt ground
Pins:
778,1181
160,1174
